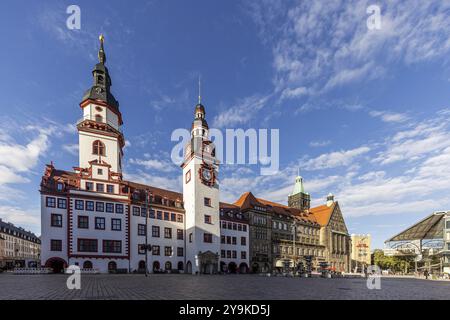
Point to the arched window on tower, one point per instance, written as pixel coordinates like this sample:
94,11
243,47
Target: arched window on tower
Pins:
98,118
98,148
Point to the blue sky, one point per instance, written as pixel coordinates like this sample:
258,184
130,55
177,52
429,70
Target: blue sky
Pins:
364,114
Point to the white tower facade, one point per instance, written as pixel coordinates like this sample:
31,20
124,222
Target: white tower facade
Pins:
201,199
100,136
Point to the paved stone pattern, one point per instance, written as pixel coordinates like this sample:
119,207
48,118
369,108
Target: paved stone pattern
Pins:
229,287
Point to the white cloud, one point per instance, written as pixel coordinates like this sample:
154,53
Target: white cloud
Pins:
335,159
240,113
20,158
318,45
317,144
421,140
386,116
28,219
71,148
155,164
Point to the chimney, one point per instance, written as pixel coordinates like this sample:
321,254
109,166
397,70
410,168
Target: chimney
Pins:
330,200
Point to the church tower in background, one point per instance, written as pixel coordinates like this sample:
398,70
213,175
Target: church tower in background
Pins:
299,199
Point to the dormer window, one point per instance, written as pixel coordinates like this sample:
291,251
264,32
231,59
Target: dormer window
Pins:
60,186
98,148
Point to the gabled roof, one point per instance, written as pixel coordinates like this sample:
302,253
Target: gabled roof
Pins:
247,201
323,213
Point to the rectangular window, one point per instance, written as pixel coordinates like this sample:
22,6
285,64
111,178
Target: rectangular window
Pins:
155,231
143,212
244,228
180,234
228,254
180,218
447,224
234,254
234,226
159,215
56,220
230,226
100,187
100,172
228,239
136,211
110,188
83,222
119,208
116,224
62,203
55,245
87,245
180,252
99,223
207,238
79,204
239,227
168,233
222,254
224,225
89,205
152,213
222,239
89,186
110,207
243,255
167,251
141,249
100,206
243,241
208,219
234,240
207,202
188,177
112,246
50,202
173,217
141,229
166,216
155,250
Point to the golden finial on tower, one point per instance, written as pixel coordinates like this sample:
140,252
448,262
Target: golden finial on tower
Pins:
101,52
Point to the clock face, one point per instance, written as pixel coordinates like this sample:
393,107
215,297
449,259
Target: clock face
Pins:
206,174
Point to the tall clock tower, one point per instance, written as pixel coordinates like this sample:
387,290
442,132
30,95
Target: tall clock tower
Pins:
201,199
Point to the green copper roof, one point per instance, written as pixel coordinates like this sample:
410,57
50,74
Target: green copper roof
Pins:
298,187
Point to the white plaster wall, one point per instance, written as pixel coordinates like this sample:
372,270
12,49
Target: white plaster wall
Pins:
194,193
161,241
48,232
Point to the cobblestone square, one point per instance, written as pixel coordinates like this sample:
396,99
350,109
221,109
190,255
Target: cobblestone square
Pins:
230,287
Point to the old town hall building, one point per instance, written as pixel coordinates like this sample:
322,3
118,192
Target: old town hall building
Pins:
93,218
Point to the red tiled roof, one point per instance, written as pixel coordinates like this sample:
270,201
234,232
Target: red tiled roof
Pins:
323,213
247,200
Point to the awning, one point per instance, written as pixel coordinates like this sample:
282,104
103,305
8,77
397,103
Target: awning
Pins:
432,227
